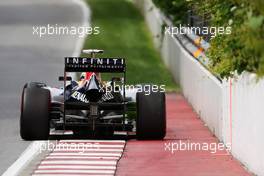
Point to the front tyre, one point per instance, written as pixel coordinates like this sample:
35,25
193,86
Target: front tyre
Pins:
151,115
34,119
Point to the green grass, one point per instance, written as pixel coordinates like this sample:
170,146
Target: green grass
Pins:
123,33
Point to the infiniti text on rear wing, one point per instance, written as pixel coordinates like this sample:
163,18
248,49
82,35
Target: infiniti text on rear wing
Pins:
84,64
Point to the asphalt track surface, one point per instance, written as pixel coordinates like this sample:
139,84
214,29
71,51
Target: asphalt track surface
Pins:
26,57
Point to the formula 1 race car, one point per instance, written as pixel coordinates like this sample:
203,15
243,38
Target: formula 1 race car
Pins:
92,106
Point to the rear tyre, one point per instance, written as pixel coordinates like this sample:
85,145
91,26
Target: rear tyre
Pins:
34,118
151,115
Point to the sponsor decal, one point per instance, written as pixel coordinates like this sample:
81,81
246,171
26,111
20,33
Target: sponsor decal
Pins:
107,96
79,96
95,61
97,64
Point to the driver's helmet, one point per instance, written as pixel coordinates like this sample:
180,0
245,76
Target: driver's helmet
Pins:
86,75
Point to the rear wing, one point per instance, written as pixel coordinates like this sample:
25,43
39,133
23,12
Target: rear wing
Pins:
84,64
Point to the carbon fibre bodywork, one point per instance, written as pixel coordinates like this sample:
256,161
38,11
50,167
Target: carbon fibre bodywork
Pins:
90,105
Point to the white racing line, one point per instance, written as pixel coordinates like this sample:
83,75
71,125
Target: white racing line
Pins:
34,148
24,159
